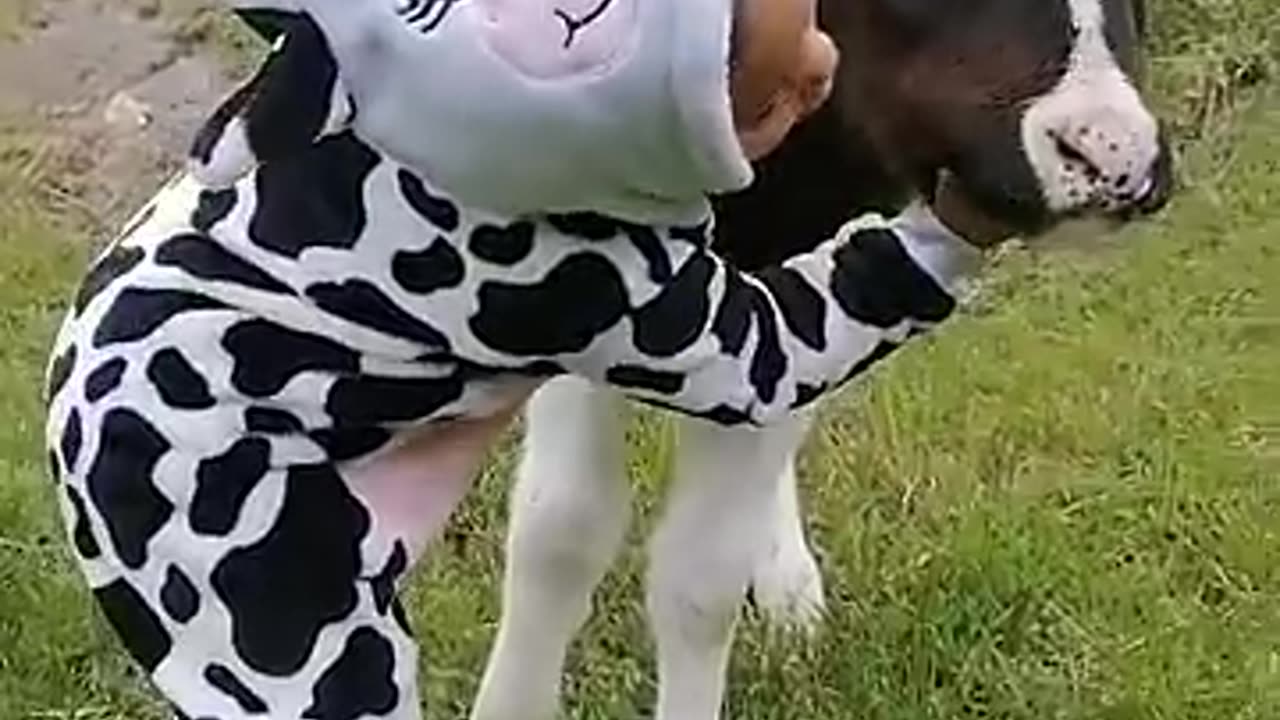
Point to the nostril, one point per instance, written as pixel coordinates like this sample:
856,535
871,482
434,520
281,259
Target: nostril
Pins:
1067,150
1072,154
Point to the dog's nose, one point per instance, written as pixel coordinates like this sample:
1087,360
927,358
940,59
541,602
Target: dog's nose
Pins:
1158,187
1109,153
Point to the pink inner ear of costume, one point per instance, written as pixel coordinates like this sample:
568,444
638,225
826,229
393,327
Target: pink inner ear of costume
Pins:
560,39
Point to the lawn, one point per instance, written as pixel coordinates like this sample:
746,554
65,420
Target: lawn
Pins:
1065,505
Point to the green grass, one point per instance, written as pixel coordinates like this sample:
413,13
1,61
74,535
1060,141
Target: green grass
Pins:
53,653
1065,505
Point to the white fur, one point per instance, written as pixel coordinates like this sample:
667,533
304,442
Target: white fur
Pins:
787,584
732,520
569,512
1093,108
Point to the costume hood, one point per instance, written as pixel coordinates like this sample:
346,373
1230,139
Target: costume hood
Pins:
523,106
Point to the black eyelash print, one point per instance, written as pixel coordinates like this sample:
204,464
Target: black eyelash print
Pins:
416,11
572,25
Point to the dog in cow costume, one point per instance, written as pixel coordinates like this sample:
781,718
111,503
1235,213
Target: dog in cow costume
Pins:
274,386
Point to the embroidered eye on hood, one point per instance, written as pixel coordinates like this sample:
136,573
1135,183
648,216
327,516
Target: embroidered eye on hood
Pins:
524,106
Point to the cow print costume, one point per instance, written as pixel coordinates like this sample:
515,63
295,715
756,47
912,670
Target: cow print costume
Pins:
239,348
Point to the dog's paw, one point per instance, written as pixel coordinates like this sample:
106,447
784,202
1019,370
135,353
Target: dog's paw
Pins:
787,589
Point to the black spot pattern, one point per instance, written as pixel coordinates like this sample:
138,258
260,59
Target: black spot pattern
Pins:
505,246
221,677
628,376
279,605
224,482
806,394
363,303
426,271
180,385
135,623
72,439
199,256
120,484
876,282
60,371
271,421
366,401
650,246
290,100
178,595
401,618
802,307
213,131
313,198
550,317
81,533
384,583
439,211
882,350
351,442
768,362
212,207
720,414
725,415
697,235
468,371
104,378
138,312
115,264
585,225
267,356
733,318
359,683
673,320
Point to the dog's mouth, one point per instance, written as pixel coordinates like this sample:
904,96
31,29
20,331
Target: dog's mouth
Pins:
1158,190
1150,198
1147,199
1116,208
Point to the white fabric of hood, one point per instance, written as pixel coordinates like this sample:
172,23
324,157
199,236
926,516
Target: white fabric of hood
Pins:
525,106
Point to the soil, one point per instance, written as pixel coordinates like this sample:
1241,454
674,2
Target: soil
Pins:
118,86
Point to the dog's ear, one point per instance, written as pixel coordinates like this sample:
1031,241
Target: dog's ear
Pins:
293,99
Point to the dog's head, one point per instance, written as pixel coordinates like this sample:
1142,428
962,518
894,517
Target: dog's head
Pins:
1033,106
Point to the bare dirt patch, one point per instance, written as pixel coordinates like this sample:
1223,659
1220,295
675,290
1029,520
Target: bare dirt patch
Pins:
112,89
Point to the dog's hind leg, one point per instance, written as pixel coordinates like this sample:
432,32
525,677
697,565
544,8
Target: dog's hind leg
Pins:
718,523
569,515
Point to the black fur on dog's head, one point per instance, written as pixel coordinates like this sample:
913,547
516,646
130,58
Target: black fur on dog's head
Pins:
1031,105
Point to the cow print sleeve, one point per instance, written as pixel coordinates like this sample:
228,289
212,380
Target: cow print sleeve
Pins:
292,100
739,348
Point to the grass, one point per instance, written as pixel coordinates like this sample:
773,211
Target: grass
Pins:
53,654
1063,506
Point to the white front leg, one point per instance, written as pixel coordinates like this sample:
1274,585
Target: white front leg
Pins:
569,515
718,523
787,584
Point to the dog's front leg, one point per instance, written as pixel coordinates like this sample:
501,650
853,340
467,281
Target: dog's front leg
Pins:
720,520
569,515
786,583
